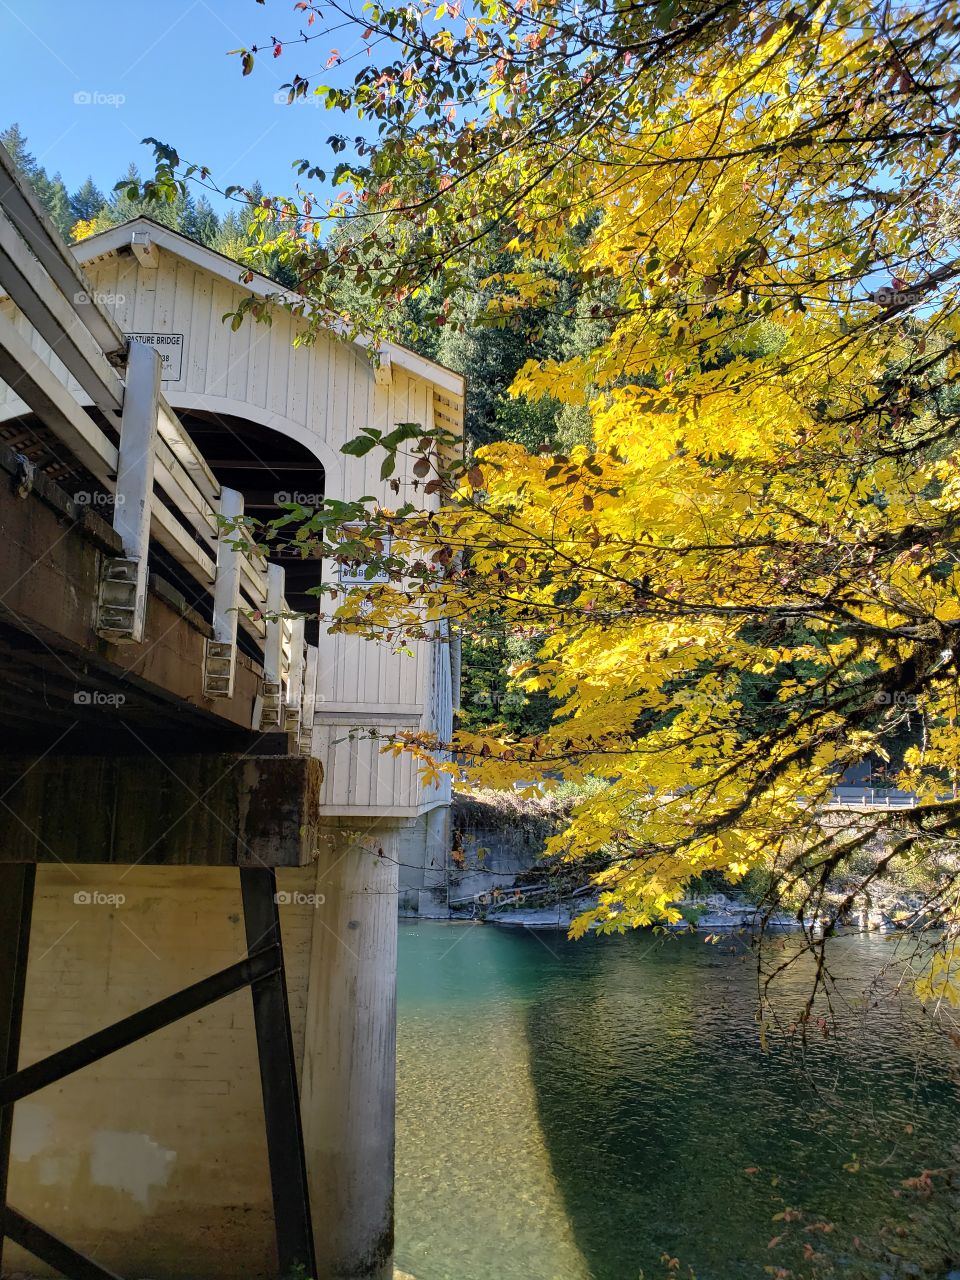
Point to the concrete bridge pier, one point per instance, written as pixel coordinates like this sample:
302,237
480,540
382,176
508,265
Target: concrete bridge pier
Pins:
115,937
348,1082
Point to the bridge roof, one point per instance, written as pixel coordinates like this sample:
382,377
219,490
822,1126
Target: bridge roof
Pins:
114,239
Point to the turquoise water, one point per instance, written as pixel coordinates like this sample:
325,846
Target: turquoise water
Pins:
580,1111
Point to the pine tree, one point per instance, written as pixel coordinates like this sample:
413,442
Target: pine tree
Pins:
201,222
56,200
87,202
50,191
15,141
122,206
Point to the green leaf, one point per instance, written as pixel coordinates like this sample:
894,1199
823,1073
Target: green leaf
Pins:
358,446
401,432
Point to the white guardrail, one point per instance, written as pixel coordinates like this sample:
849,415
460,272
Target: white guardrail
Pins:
872,798
163,488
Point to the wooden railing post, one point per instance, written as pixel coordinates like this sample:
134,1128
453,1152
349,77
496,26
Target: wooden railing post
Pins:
220,657
311,673
272,712
294,692
123,586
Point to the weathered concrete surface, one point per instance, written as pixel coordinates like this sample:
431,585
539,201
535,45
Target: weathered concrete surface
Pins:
424,856
483,842
154,1160
349,1063
218,810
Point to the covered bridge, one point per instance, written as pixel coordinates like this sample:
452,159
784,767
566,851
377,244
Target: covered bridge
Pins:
159,736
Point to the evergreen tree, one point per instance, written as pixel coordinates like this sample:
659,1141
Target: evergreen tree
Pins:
201,223
87,202
123,206
233,239
15,141
231,235
56,200
51,192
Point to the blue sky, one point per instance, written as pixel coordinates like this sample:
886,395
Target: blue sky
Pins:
160,70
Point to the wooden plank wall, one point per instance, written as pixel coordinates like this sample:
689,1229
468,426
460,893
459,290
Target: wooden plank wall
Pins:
321,395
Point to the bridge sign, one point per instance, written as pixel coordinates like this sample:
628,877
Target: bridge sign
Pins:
170,346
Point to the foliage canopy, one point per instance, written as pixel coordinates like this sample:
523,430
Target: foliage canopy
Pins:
747,577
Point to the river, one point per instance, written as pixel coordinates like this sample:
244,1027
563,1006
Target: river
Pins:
604,1110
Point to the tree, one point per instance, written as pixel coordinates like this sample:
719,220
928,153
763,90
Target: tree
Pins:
201,223
15,141
87,202
758,206
126,203
50,191
53,194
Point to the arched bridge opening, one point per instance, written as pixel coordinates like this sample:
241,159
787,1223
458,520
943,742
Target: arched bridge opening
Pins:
269,468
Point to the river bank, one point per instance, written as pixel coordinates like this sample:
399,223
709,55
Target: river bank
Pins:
496,871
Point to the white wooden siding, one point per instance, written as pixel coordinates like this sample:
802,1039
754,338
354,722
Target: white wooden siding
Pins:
321,395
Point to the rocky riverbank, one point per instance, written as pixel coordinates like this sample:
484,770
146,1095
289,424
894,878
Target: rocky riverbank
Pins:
496,871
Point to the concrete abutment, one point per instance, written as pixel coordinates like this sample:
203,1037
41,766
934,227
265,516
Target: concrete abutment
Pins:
154,1160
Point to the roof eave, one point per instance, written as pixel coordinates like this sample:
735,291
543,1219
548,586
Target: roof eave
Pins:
102,243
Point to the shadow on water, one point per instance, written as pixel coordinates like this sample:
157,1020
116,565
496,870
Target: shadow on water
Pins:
671,1132
572,1111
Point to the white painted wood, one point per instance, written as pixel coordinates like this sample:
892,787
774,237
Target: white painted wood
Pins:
255,628
286,653
187,453
273,648
34,225
310,679
144,300
144,250
293,695
220,654
253,583
48,359
263,287
320,395
54,317
226,593
134,488
194,510
173,537
32,380
295,678
195,358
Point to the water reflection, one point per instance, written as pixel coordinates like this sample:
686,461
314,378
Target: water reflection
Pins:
579,1110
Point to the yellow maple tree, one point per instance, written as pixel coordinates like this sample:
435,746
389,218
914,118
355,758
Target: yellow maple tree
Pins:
747,580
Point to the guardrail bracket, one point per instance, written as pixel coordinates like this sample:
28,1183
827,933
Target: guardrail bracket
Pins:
117,611
219,669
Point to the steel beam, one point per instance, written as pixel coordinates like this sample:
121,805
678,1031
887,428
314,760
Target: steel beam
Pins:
16,909
278,1078
262,963
55,1253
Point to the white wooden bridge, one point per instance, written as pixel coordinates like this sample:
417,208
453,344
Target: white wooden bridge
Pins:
173,716
119,426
